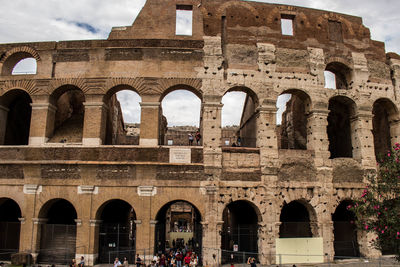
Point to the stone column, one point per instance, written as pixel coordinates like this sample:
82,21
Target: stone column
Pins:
3,123
86,238
362,138
93,244
149,123
94,126
212,229
326,232
317,137
211,133
267,139
36,234
42,123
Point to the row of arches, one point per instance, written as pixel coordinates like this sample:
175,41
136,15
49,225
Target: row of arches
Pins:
294,107
337,75
178,226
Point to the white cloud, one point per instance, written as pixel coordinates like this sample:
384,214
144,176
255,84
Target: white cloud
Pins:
130,106
181,108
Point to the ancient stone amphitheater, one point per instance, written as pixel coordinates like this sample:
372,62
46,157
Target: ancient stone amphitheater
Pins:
70,188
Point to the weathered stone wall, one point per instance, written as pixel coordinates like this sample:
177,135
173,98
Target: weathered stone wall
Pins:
235,46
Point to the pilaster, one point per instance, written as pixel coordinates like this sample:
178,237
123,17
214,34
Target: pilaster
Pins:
42,123
94,126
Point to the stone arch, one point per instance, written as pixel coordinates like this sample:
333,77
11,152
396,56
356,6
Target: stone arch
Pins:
186,87
15,117
341,70
385,125
323,20
116,222
10,58
344,230
341,128
57,220
294,125
179,137
221,9
10,213
116,132
68,102
246,133
298,219
176,221
241,219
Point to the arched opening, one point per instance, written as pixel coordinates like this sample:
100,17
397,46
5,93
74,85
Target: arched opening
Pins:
238,118
239,237
58,232
69,117
117,233
295,221
341,111
180,120
337,76
123,116
178,229
9,228
345,232
26,66
19,63
293,108
15,112
385,115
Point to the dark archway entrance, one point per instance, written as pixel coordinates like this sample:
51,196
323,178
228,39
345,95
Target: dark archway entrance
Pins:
345,232
239,237
9,228
117,235
295,221
178,227
19,110
58,232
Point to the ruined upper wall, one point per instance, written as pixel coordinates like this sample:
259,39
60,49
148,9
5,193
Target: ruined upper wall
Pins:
248,23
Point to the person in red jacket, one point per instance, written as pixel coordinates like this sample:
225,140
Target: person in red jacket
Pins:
187,260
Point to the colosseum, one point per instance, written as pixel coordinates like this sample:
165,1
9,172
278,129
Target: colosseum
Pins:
73,184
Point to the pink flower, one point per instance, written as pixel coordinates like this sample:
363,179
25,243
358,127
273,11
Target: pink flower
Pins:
366,227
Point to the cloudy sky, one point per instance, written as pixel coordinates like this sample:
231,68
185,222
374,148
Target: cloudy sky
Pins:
54,20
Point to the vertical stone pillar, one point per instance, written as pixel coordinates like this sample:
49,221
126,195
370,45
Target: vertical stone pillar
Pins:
317,137
212,227
30,231
362,138
36,234
86,240
149,123
42,123
212,133
94,126
366,246
326,232
263,244
93,244
3,123
267,139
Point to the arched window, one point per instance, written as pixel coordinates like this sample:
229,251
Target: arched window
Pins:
123,117
25,66
238,117
69,116
337,76
180,118
293,107
15,111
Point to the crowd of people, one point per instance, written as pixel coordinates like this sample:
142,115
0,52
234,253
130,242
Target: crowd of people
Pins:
171,259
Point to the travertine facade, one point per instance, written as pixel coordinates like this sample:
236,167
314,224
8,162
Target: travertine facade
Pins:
234,46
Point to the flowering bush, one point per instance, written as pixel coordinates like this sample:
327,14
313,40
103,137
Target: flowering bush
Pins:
378,208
